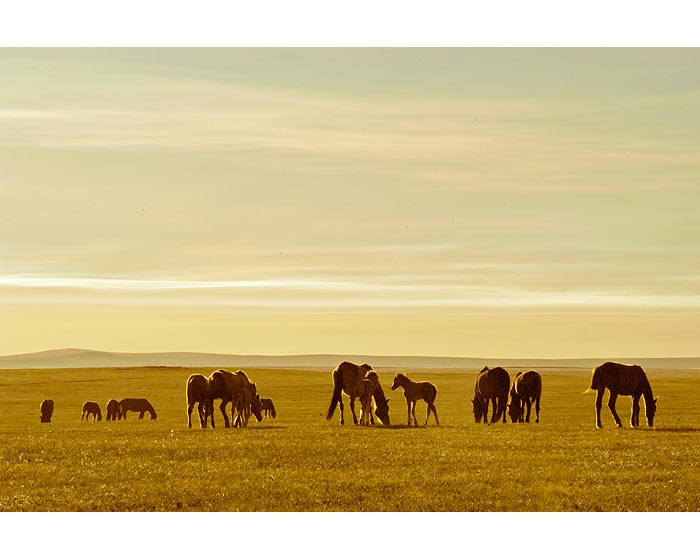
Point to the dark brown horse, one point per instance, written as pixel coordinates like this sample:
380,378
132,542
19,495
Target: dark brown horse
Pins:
136,405
348,378
526,389
491,385
91,407
113,412
268,408
237,389
198,392
46,410
621,379
414,391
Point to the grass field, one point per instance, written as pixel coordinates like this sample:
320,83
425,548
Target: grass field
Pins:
298,462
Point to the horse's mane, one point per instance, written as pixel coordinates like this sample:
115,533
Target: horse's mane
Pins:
243,374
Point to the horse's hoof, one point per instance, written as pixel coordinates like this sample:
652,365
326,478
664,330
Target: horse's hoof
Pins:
599,426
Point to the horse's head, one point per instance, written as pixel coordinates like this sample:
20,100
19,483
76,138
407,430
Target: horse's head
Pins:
515,411
382,412
486,368
153,414
477,409
397,382
651,411
256,407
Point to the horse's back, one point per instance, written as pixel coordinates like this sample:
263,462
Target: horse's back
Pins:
197,387
528,384
493,383
622,379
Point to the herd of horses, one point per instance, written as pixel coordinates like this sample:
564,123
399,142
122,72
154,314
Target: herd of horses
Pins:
492,388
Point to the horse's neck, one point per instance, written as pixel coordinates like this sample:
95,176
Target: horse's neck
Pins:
378,393
646,391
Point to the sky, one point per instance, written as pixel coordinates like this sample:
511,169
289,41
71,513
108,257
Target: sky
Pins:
520,203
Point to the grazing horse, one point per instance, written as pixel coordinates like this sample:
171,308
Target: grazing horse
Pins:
136,405
198,392
268,408
413,391
93,408
622,379
46,411
348,377
113,412
526,389
491,384
237,389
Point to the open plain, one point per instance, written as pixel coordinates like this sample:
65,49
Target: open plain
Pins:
298,462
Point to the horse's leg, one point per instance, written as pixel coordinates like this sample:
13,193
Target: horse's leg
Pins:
202,415
437,421
598,406
342,410
413,410
611,406
190,407
352,408
408,408
496,409
528,402
143,412
634,422
222,408
537,410
502,406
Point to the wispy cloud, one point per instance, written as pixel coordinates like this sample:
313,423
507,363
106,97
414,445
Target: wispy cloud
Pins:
384,292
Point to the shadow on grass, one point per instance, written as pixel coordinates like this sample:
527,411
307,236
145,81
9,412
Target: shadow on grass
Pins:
679,429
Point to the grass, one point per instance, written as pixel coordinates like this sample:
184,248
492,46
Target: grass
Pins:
298,462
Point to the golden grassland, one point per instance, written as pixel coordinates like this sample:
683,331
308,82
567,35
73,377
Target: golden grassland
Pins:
298,462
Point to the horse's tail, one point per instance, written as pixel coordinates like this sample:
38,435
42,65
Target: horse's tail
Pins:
337,395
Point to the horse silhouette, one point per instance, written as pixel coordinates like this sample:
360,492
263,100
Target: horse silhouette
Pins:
198,392
348,378
621,379
91,407
113,412
491,385
46,410
237,389
268,408
526,389
136,405
414,391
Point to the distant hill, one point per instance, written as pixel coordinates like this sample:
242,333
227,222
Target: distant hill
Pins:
77,358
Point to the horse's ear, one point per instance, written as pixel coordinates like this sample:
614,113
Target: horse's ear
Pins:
656,399
387,401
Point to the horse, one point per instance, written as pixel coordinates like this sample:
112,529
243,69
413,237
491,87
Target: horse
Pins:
348,377
93,408
491,384
526,389
368,386
113,412
46,411
198,392
413,391
621,379
268,408
237,389
136,405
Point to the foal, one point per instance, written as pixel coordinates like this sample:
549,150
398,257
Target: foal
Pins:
414,391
